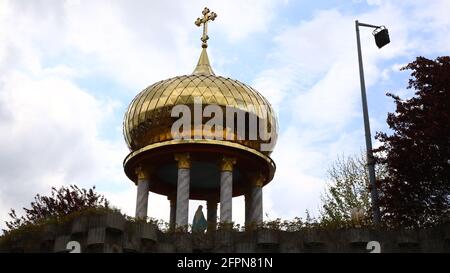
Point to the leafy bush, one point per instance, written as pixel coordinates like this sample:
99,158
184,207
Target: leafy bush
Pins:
60,203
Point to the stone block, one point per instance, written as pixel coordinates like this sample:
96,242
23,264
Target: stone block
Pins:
146,231
407,238
131,242
357,237
96,236
447,232
408,241
183,243
289,247
314,241
111,220
112,248
313,238
267,237
61,243
49,232
202,242
163,247
80,225
290,242
223,237
245,247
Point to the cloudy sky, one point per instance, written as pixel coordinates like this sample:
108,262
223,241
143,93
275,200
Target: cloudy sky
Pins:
68,70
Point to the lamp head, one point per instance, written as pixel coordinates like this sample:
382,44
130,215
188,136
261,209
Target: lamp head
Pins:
381,35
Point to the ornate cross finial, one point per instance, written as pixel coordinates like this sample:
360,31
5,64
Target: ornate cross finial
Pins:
207,16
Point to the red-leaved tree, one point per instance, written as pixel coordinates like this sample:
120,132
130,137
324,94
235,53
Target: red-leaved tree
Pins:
416,191
61,202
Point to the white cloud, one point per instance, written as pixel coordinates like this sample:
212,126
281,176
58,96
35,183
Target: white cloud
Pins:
297,183
50,137
240,18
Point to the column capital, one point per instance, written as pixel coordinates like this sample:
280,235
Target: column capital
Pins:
184,161
227,163
258,179
143,173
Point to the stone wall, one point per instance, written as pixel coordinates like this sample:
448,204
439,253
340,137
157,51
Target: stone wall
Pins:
110,233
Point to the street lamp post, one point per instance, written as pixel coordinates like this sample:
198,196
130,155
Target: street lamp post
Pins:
381,38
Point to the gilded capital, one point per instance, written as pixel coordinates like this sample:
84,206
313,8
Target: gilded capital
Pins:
258,180
142,173
226,164
184,161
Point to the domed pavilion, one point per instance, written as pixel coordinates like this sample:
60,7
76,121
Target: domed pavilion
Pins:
200,136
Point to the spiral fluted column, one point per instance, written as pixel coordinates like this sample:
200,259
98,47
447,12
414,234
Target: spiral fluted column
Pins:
143,186
173,209
211,210
226,189
184,170
256,208
248,200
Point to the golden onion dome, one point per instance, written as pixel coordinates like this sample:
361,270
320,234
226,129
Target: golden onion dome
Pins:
148,119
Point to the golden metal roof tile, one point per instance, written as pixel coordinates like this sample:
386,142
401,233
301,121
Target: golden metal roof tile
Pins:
148,116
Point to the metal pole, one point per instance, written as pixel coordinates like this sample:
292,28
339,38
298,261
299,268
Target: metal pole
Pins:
370,158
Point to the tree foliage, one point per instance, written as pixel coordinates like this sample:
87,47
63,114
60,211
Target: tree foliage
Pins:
348,189
60,203
416,155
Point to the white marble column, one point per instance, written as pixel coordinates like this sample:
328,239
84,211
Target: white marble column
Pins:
226,189
173,209
184,170
143,185
211,210
248,200
256,208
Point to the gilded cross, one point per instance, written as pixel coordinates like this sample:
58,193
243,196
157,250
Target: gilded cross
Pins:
207,16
